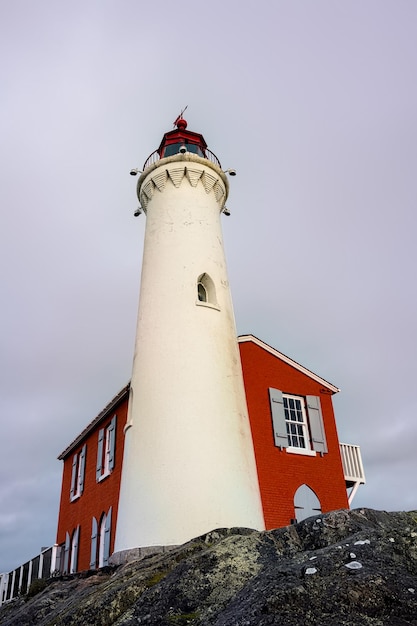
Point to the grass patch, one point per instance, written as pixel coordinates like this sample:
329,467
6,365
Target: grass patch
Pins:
156,578
183,618
36,586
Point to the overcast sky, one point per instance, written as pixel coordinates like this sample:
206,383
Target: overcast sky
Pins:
314,103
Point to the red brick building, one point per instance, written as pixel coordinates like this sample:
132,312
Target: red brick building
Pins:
302,468
90,489
294,434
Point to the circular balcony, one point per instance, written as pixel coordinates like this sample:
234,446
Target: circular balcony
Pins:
192,148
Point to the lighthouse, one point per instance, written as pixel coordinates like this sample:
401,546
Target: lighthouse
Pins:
188,464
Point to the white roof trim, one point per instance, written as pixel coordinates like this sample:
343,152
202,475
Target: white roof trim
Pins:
286,359
104,413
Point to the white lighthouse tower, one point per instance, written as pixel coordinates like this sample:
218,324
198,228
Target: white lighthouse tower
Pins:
188,464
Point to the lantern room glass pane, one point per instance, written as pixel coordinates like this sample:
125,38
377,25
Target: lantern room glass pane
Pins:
174,148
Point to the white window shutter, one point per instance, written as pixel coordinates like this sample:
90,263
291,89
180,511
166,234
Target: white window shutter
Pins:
66,552
74,550
278,418
112,434
107,530
99,466
73,475
82,467
318,437
93,554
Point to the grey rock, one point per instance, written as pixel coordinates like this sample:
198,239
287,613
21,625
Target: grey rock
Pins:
240,577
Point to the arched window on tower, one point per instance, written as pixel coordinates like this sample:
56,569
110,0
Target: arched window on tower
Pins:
306,503
206,291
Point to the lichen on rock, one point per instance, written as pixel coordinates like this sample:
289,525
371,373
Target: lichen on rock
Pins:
241,577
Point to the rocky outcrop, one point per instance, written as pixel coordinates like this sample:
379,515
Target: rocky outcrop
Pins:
346,567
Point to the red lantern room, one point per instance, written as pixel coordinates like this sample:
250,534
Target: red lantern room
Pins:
173,141
180,141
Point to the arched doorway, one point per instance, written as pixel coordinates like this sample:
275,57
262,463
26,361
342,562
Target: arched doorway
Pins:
306,503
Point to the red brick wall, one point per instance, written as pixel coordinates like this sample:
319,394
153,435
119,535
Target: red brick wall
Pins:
280,473
97,497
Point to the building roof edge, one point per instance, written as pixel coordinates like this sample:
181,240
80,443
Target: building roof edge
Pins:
288,360
107,409
241,339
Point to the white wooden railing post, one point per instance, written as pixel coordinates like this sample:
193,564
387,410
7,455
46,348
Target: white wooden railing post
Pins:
352,468
4,578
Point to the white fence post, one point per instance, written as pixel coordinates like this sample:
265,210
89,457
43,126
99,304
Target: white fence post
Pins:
4,579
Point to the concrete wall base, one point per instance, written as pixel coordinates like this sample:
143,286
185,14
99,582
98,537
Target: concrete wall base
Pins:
136,554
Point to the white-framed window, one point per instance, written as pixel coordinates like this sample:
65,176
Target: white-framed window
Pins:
100,540
206,292
102,535
106,450
71,551
74,550
297,423
78,473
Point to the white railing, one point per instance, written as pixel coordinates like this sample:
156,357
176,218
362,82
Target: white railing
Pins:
18,581
208,154
352,463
